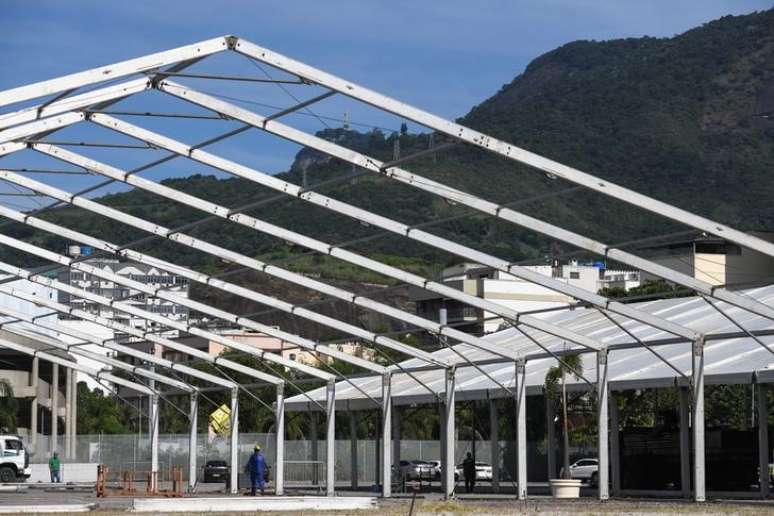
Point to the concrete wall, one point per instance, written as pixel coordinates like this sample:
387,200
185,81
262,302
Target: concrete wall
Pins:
70,472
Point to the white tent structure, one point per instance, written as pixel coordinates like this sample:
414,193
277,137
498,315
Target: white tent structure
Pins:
716,336
637,357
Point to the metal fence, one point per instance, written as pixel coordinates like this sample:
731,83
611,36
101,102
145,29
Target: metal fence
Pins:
132,452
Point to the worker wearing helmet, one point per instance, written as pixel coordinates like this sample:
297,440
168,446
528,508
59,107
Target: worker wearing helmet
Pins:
256,466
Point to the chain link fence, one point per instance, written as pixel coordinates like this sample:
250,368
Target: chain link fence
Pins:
131,452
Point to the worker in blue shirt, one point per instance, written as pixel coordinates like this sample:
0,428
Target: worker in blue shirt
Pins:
256,466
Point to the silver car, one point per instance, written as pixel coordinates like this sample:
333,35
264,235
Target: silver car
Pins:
585,469
483,471
416,470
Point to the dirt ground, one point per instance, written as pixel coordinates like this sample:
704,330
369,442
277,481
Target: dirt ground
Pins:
463,506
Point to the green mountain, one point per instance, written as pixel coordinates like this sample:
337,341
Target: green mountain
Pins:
683,119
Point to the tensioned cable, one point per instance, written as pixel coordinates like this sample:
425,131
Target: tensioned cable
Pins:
289,94
239,386
234,78
50,171
529,261
158,393
171,156
642,343
408,373
325,117
574,371
478,368
735,323
381,234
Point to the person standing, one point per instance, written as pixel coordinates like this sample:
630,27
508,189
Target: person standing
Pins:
256,466
469,472
54,464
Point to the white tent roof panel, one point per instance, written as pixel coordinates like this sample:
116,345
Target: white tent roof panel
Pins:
736,359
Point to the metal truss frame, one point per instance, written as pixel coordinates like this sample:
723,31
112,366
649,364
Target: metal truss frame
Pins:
65,106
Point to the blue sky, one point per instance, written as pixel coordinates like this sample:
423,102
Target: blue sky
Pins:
442,56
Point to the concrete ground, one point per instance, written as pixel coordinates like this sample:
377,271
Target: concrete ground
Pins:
424,504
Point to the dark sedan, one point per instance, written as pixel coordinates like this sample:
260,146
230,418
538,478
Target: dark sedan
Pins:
216,471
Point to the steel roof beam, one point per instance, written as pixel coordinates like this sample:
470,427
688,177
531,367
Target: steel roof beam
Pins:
48,357
161,293
222,285
74,103
149,316
128,350
368,163
108,361
121,69
300,105
311,243
500,147
457,196
82,202
150,337
181,326
45,125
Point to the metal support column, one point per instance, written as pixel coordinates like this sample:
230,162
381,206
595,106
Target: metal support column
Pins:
449,435
602,425
315,443
551,436
763,438
353,470
154,437
387,424
395,417
193,417
279,428
54,408
685,441
330,439
615,447
520,393
377,451
34,405
68,413
74,418
442,438
699,488
234,446
494,445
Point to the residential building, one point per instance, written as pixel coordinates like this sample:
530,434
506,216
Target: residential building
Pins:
255,339
513,292
714,260
142,273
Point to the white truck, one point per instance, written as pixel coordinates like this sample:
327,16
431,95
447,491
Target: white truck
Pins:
15,460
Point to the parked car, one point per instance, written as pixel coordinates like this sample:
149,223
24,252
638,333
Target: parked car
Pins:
216,471
483,471
416,470
585,469
436,465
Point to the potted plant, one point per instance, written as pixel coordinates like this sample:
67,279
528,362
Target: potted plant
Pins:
555,386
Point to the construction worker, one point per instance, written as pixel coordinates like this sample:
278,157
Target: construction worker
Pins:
469,472
54,465
256,466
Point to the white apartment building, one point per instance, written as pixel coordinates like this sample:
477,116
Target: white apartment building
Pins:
513,292
142,273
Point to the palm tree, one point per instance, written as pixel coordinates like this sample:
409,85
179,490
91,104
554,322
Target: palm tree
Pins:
555,376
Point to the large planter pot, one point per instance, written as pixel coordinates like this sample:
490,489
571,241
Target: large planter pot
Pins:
565,487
